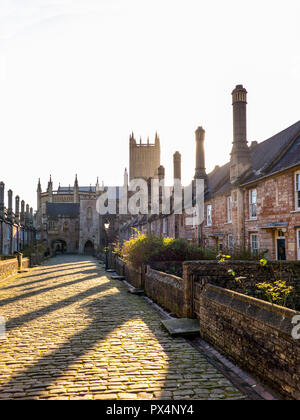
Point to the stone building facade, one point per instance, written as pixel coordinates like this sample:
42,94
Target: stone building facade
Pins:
17,227
68,220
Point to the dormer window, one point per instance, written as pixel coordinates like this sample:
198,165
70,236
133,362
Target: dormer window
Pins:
253,204
297,192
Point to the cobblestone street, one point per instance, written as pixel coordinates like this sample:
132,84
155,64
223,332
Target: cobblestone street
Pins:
74,333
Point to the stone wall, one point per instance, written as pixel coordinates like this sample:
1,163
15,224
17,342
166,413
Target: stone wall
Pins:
10,267
166,290
25,263
120,266
135,276
254,334
217,274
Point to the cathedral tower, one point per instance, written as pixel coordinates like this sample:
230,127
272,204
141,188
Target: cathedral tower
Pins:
144,158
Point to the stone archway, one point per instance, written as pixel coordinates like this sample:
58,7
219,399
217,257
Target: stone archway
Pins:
59,246
89,248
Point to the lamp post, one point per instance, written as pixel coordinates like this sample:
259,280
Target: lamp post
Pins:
106,227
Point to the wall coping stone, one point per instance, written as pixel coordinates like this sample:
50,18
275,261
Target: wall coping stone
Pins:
275,316
286,262
163,274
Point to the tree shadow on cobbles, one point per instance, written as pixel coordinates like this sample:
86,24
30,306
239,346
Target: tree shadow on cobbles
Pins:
29,283
109,315
7,301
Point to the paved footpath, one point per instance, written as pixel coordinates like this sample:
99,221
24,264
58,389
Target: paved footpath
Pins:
73,333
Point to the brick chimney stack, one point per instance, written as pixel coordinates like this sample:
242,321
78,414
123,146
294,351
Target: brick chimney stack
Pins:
240,153
10,204
22,215
2,187
200,172
177,165
17,208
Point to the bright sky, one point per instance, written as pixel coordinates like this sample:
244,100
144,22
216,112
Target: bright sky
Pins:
77,76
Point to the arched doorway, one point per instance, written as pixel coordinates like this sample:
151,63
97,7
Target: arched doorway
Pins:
59,246
89,247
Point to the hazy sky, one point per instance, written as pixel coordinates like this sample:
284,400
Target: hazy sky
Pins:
77,76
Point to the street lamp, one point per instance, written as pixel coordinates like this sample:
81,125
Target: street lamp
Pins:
106,227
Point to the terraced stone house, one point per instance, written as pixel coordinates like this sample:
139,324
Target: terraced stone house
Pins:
254,200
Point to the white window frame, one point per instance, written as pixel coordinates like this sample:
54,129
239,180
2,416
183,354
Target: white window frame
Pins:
297,190
209,215
252,204
254,250
229,209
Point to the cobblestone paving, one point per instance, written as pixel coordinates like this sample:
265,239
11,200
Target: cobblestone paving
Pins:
73,333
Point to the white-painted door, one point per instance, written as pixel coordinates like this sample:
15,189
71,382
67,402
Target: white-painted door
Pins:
298,244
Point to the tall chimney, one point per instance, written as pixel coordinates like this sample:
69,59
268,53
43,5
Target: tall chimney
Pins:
17,208
9,205
31,215
22,217
2,187
161,172
177,165
240,153
200,172
27,214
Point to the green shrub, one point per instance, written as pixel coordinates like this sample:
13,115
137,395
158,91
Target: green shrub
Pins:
145,249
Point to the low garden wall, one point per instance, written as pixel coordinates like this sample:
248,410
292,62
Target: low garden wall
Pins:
135,276
217,273
253,333
167,290
120,266
11,266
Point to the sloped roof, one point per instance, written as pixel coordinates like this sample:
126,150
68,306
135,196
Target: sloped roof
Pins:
82,189
219,179
277,153
113,192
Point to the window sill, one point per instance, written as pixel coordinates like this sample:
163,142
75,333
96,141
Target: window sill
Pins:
252,219
295,211
228,223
